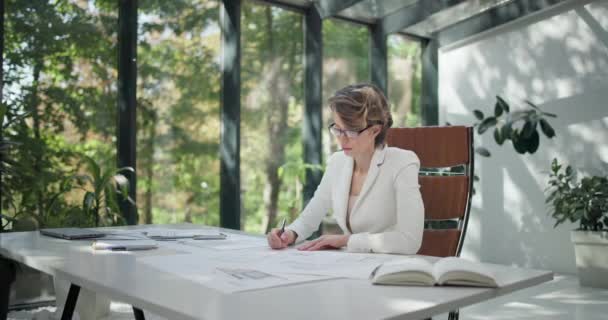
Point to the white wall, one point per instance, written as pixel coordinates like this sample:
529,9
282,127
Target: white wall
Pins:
558,60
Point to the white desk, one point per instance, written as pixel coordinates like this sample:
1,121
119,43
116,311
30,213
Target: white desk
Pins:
123,278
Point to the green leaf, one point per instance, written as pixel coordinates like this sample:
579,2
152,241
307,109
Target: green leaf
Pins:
497,110
478,114
88,202
555,166
518,143
533,142
546,128
103,182
81,179
528,129
93,167
498,137
532,105
506,130
486,124
551,197
54,201
3,110
482,152
503,104
111,201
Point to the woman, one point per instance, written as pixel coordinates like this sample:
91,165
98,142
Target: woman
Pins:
372,189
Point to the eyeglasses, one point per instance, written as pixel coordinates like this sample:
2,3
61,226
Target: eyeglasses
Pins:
351,134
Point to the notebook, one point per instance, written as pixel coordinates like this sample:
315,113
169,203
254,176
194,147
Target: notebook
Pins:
72,233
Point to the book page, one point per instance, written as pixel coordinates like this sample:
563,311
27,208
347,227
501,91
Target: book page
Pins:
411,271
458,271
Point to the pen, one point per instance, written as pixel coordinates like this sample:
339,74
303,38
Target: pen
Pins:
282,227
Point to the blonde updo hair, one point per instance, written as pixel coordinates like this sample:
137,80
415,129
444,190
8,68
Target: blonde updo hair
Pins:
360,106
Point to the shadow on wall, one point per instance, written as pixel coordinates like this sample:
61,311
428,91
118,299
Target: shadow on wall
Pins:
560,64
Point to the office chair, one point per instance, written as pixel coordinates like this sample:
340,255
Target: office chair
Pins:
446,184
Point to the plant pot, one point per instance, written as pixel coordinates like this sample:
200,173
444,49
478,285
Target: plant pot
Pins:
89,305
591,249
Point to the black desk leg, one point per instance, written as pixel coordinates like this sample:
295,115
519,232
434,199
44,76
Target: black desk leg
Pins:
454,315
70,303
139,314
7,276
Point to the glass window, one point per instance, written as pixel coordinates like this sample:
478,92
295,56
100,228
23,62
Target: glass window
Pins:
404,80
271,116
59,76
178,86
345,61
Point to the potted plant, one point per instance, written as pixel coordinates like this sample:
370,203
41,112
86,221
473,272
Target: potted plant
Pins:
585,202
101,189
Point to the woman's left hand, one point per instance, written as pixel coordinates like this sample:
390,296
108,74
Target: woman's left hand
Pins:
325,243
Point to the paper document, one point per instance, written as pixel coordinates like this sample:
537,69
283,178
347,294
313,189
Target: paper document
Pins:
222,276
328,263
232,242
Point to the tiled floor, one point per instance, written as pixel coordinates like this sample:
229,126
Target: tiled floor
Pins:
559,299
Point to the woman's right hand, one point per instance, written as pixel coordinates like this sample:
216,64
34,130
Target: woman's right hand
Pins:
276,240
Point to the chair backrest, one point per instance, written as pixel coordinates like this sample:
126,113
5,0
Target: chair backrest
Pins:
446,182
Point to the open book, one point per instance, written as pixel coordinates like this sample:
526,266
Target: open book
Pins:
446,271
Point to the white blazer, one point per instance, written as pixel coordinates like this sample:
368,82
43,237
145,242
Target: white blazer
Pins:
388,216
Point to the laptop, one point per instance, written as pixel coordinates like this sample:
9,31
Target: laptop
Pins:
72,233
